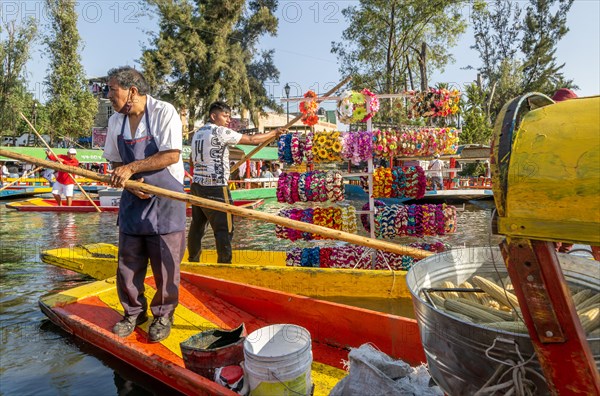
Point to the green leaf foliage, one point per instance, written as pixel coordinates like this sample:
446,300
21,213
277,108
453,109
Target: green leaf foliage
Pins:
518,50
206,51
14,53
476,124
545,24
71,107
393,45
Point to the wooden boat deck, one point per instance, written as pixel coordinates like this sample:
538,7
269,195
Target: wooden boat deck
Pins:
90,311
259,268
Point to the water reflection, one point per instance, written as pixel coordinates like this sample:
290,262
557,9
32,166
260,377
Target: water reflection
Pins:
38,358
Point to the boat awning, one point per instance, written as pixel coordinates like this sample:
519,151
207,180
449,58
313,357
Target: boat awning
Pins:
83,155
236,152
267,153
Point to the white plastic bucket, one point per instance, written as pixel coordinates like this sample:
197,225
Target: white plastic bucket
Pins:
278,360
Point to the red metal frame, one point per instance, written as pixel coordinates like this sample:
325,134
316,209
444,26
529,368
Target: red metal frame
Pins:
549,313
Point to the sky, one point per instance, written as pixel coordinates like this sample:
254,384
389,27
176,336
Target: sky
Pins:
114,32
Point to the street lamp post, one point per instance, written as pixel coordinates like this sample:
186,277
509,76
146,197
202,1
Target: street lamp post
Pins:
34,112
287,95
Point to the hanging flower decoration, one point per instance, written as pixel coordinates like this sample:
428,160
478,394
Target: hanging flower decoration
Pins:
309,109
415,142
412,220
336,218
434,103
357,146
326,147
352,106
351,256
373,104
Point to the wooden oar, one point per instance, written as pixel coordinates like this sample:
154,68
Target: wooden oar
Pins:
289,124
55,156
25,175
223,207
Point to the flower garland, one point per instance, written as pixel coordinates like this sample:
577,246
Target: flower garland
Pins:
332,217
412,220
364,218
308,145
309,109
434,103
284,149
372,104
315,186
382,182
357,146
352,106
351,256
297,148
409,142
326,147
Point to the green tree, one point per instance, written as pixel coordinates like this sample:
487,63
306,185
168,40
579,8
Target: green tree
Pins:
71,106
14,54
518,53
393,45
542,30
497,30
205,51
476,126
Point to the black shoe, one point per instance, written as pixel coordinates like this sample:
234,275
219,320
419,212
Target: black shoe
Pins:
160,328
126,326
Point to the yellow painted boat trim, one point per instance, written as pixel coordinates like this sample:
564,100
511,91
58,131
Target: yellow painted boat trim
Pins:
31,201
186,323
258,268
554,173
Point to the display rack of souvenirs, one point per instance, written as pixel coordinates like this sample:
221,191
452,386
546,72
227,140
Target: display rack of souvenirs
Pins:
327,186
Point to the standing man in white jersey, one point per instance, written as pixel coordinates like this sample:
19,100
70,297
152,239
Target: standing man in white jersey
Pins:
210,160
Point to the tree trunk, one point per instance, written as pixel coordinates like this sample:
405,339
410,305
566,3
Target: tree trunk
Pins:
410,76
423,66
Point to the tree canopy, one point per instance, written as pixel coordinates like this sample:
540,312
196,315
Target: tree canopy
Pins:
393,45
206,51
518,54
71,107
14,54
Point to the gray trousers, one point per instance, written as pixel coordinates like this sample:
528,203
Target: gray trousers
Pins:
165,253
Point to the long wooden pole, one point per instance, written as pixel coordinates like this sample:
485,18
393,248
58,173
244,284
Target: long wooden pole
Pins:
223,207
55,156
26,174
289,124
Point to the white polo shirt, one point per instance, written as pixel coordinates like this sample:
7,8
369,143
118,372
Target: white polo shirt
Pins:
165,126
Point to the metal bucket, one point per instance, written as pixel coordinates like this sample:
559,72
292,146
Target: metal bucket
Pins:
456,350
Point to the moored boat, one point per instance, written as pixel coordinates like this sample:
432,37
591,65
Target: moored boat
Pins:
259,268
23,191
82,205
90,311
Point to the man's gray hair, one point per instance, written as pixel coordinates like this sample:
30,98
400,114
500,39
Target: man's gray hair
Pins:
128,77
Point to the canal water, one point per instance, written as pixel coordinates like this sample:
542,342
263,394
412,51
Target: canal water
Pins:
38,358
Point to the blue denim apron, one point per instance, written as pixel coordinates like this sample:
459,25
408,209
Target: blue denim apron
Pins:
156,215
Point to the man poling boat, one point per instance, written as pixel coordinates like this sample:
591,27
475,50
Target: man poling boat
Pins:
298,225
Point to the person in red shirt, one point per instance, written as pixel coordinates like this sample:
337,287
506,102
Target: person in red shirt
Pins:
64,183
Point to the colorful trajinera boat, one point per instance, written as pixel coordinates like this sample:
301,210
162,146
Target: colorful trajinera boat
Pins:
258,268
23,191
90,311
81,205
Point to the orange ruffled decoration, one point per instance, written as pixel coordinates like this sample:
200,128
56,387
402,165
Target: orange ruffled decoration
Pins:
309,109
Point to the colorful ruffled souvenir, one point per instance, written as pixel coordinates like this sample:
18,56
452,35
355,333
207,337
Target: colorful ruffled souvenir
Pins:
309,109
434,103
357,146
359,257
412,220
357,106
